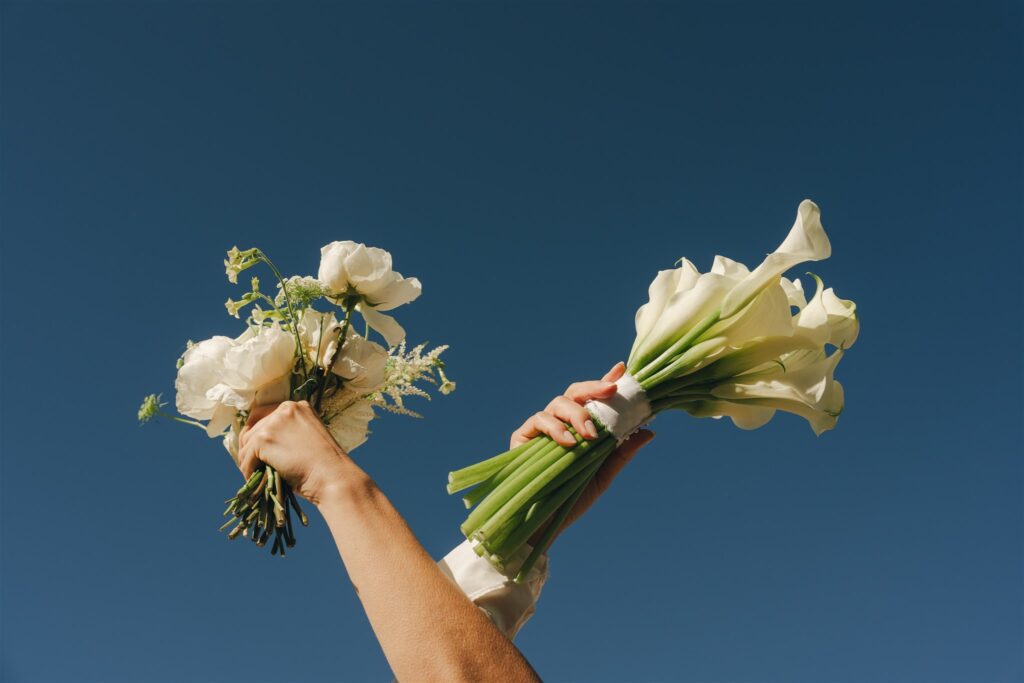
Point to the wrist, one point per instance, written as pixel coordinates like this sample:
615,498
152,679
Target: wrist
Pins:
343,484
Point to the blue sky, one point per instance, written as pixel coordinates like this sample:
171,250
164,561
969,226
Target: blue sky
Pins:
534,164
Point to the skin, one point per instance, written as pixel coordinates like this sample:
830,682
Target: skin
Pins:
426,627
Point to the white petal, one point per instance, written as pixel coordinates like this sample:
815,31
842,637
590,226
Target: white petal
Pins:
396,292
231,442
806,241
665,285
743,416
809,391
683,311
385,324
259,358
349,428
766,316
734,270
223,416
368,268
827,319
751,357
332,272
362,364
794,292
202,368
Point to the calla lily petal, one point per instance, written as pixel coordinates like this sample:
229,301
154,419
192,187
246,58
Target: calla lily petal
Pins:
806,241
766,316
683,311
744,416
794,292
827,319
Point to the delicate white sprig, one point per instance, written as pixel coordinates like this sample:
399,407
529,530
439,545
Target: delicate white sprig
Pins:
405,369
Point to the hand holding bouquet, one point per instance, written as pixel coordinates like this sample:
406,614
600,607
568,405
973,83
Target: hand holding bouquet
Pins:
723,343
289,350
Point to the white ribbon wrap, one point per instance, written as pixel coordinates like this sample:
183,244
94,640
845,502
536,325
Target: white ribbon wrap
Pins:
623,413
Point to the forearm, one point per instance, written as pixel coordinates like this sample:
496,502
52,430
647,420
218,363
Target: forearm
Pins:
427,628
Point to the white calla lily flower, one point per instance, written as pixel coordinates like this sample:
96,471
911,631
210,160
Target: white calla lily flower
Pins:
804,386
666,284
806,241
827,319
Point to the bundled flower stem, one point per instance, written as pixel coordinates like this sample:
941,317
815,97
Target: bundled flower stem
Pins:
722,343
293,351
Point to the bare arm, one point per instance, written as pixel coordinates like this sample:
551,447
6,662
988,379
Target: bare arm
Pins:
427,628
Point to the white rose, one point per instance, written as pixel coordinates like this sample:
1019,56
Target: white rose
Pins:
221,376
201,370
350,269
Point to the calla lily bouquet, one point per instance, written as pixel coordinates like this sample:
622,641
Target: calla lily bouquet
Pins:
722,343
289,350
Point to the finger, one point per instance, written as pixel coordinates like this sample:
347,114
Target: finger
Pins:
581,392
620,458
617,371
248,460
260,412
542,423
567,410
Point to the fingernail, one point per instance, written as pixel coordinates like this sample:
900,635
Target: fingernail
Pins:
590,428
567,435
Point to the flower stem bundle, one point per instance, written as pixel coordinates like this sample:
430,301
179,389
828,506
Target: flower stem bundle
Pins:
263,507
730,342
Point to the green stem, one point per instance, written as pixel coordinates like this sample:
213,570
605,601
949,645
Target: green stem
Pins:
474,474
341,343
547,505
291,312
641,370
556,523
194,423
524,459
537,464
536,481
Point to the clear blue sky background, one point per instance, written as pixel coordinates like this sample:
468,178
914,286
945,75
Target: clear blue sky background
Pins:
534,164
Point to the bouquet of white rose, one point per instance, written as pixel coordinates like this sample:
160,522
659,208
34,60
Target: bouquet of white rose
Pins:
731,342
290,350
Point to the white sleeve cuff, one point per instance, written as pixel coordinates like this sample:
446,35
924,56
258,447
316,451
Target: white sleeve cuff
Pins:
508,604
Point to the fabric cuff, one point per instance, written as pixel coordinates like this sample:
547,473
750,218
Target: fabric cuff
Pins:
508,604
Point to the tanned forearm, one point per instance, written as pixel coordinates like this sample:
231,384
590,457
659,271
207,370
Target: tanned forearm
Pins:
428,629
